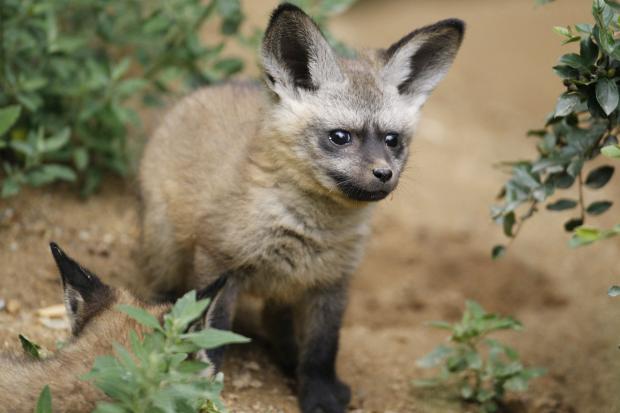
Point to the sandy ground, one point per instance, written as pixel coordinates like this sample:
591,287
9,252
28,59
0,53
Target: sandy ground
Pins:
431,242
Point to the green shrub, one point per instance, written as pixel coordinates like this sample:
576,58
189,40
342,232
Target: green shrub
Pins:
482,377
72,72
157,375
583,125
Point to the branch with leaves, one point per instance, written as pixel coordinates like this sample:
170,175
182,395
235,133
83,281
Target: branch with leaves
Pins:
584,124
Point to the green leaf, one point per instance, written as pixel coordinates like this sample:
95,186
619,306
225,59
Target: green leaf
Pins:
611,151
574,60
60,172
211,338
607,95
584,28
444,325
614,291
597,208
588,51
8,117
566,104
566,72
509,222
435,357
81,158
103,407
10,187
30,348
44,403
573,223
498,251
57,141
562,204
599,177
562,31
142,316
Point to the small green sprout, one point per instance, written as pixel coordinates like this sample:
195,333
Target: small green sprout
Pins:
482,376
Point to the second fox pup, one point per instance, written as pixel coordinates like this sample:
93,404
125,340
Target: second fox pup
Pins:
277,188
95,326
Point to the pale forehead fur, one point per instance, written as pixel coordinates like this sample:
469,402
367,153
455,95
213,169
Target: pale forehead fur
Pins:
360,98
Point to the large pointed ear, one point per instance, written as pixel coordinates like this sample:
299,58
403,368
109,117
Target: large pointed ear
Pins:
84,293
295,53
417,62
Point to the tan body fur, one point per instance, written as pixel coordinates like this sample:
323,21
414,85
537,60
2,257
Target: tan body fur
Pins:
219,196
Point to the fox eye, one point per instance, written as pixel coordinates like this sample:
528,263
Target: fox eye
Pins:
340,137
391,139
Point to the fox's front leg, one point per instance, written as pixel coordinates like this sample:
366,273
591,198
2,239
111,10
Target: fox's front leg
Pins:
319,320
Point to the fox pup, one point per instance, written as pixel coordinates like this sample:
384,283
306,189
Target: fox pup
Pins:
95,326
277,188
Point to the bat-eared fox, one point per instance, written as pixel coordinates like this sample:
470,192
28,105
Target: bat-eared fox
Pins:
95,326
276,186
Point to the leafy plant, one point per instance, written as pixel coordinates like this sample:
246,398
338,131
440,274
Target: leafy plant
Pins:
482,376
157,375
73,71
583,125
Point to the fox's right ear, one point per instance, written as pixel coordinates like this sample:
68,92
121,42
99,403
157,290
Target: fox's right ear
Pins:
84,293
295,54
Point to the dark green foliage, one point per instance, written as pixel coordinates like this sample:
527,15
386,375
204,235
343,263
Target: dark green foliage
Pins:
73,71
583,125
482,376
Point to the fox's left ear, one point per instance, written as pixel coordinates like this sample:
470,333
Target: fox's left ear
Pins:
84,293
417,62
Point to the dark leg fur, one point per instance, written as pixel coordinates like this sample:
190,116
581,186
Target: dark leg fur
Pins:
220,316
278,322
320,317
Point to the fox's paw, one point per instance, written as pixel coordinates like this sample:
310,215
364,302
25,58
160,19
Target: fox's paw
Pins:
324,396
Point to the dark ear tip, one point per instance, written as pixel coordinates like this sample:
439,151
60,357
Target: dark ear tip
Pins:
57,252
456,24
285,8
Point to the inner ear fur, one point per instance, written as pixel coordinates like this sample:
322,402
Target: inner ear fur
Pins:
416,63
295,53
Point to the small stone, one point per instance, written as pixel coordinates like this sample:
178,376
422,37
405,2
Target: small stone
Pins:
252,365
108,239
55,323
84,235
13,246
13,306
245,380
2,304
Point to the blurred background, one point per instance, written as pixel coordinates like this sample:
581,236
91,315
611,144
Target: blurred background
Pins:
431,242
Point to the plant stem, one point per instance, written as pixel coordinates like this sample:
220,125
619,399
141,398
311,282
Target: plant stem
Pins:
581,203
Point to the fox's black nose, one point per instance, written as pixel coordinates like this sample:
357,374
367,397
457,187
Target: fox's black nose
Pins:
384,174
